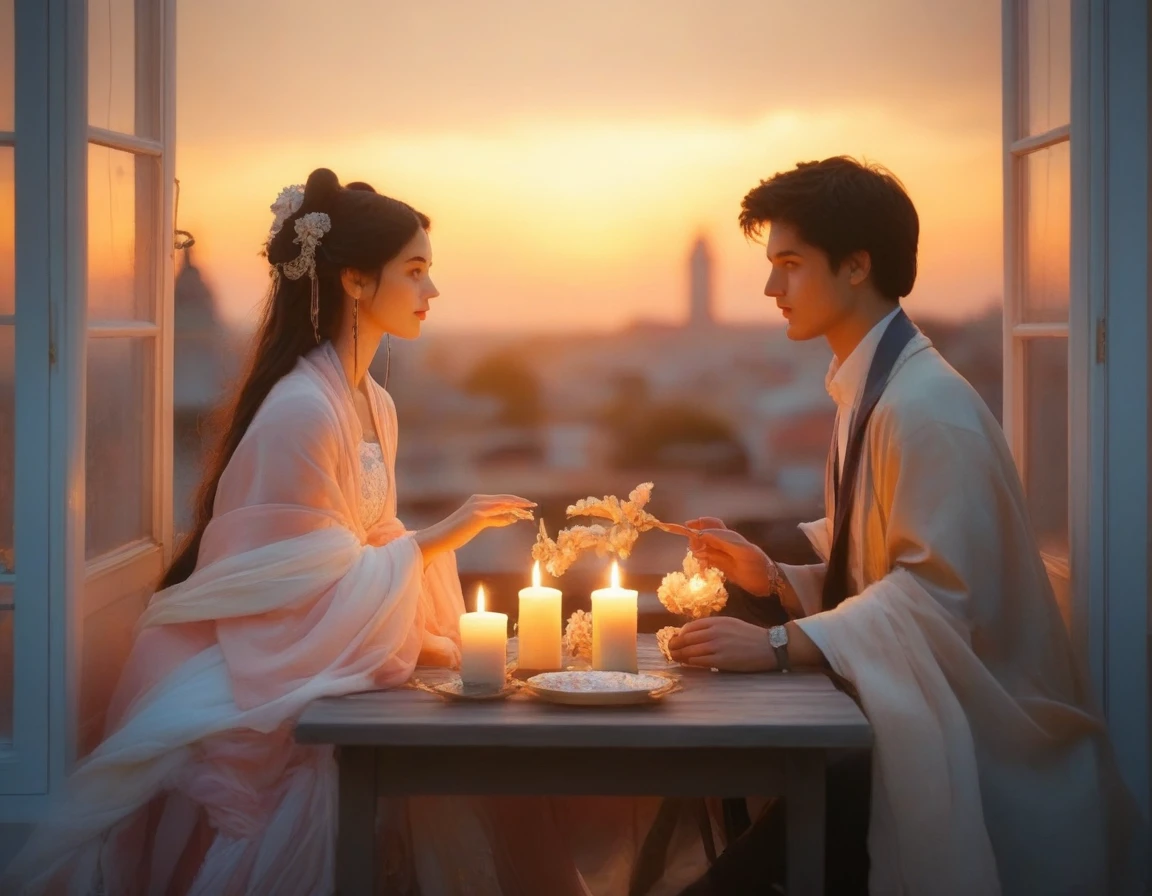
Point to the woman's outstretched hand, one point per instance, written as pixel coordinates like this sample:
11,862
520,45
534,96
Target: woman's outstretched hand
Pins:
478,513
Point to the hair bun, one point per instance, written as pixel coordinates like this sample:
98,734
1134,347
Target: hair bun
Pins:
322,186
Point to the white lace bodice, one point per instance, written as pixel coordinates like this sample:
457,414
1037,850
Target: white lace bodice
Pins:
373,483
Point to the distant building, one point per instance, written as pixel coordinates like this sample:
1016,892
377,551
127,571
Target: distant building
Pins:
700,285
202,359
206,356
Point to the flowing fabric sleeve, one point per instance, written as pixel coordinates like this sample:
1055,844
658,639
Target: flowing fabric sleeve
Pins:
294,591
807,580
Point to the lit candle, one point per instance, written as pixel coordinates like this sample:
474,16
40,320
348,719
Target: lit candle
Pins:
483,646
614,626
539,626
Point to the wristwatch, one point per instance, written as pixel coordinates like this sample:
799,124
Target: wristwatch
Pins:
778,638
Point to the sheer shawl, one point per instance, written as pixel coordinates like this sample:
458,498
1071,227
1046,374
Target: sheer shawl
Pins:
292,599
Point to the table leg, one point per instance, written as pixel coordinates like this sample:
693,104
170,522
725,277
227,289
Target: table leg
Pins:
356,825
804,808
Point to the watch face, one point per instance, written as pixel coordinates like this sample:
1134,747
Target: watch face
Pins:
777,636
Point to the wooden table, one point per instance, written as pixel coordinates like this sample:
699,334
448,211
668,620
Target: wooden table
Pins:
722,735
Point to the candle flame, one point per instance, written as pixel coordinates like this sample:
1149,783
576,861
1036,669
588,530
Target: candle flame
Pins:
536,574
615,574
480,599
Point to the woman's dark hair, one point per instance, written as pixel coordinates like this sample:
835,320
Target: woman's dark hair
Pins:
841,207
368,230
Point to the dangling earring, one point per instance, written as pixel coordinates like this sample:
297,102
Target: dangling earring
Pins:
314,307
387,359
356,337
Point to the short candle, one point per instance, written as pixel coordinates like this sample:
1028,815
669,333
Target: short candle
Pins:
614,626
483,646
538,629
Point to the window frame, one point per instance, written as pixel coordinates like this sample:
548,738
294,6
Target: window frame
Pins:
54,586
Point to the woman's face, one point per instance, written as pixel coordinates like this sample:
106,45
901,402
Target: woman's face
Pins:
400,301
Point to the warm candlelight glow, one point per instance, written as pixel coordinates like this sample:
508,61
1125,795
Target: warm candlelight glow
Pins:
615,574
536,574
480,599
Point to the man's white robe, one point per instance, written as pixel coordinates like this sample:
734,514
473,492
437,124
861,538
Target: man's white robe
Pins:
991,768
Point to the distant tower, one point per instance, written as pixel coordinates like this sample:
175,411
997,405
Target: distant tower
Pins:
700,285
201,363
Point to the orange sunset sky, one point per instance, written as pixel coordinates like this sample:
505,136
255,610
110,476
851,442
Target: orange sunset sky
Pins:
568,153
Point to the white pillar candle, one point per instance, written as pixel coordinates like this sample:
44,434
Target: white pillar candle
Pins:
538,628
614,626
483,646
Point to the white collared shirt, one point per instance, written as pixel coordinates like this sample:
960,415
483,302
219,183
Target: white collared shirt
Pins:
845,382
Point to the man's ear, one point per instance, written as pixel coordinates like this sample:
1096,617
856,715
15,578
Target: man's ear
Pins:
859,265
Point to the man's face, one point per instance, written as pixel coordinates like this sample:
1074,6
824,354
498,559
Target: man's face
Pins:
812,298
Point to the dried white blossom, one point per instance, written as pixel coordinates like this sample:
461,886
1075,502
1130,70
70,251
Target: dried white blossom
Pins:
628,518
663,636
695,592
578,635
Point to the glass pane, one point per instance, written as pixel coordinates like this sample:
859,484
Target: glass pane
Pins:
7,230
122,194
7,664
7,64
7,445
1047,190
1048,72
119,448
1046,441
112,65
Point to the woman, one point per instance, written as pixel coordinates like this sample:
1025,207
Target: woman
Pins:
297,582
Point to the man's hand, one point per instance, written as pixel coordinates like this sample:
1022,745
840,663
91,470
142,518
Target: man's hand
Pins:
722,642
742,562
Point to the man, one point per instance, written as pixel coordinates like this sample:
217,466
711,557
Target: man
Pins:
990,772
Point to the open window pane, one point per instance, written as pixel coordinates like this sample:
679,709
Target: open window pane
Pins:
121,379
1047,213
7,669
1046,441
7,446
7,64
112,65
122,226
7,230
1048,65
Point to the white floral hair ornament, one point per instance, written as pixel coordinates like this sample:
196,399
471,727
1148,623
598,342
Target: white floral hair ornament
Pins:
310,229
285,206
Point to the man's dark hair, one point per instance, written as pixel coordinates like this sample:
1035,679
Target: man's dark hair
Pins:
841,207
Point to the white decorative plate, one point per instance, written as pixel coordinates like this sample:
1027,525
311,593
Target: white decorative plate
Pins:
594,688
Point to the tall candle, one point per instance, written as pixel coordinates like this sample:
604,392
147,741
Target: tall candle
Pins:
539,626
614,626
483,646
